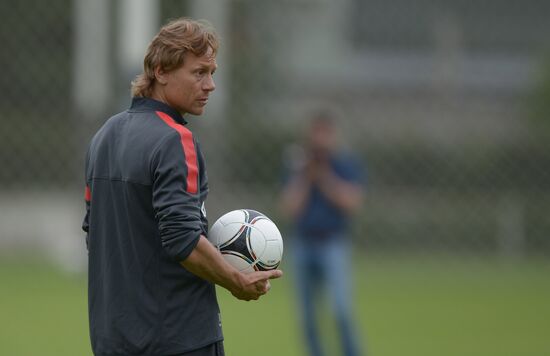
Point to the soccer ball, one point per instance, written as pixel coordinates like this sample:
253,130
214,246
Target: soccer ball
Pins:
248,240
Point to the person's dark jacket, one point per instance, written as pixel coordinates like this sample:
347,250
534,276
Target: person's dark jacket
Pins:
145,190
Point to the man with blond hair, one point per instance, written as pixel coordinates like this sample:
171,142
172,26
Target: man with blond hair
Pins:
151,269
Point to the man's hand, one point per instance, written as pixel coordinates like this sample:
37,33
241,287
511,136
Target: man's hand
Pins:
317,167
252,286
207,262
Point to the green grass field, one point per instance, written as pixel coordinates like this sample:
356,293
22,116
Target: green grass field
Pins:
440,306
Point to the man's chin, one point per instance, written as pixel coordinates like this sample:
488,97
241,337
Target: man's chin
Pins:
197,111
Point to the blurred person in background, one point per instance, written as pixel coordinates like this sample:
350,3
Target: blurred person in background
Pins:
322,190
151,269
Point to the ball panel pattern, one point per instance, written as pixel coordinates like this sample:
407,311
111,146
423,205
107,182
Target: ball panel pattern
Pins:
248,240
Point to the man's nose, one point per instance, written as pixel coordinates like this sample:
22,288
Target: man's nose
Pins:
209,84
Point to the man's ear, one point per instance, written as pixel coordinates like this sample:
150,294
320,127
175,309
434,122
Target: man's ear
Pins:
160,75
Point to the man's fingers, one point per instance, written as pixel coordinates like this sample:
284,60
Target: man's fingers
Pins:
258,283
275,274
262,286
266,286
265,275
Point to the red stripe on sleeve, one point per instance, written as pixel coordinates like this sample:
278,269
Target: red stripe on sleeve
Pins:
189,150
87,194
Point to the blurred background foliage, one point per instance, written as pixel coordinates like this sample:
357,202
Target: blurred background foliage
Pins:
448,112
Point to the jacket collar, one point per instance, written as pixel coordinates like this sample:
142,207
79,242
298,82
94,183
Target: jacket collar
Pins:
148,104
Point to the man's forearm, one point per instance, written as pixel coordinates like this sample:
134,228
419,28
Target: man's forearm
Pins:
206,262
346,195
295,196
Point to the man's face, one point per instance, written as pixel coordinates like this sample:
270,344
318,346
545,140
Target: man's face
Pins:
187,88
322,137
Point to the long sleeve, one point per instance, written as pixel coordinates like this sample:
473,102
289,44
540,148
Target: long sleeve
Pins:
175,197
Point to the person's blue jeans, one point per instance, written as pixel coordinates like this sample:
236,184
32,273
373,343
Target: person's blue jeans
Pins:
323,266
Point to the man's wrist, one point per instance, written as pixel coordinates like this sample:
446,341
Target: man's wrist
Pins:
236,281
